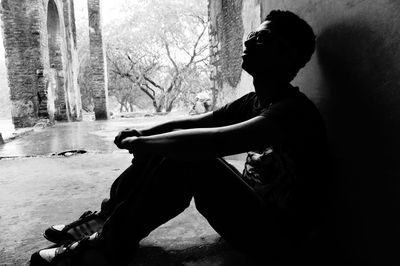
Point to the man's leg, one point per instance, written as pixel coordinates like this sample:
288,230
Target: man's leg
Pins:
231,207
229,204
126,184
164,191
145,196
129,182
239,214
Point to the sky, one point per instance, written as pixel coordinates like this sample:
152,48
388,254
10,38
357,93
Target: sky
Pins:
110,9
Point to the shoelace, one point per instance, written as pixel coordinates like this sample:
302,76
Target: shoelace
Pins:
87,215
74,253
66,249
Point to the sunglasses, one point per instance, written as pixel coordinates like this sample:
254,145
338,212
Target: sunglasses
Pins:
266,37
261,37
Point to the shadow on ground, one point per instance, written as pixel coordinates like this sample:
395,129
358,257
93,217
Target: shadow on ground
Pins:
217,253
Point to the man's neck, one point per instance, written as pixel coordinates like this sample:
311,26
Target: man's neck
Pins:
267,89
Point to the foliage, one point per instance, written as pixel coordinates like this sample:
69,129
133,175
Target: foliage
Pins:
126,94
159,49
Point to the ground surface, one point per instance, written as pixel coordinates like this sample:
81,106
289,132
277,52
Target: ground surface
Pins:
39,187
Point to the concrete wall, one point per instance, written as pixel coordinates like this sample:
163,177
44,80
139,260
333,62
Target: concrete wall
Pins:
354,79
30,51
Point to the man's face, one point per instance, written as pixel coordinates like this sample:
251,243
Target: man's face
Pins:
265,54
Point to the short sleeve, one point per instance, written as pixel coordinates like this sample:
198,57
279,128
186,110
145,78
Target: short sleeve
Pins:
285,111
289,116
234,112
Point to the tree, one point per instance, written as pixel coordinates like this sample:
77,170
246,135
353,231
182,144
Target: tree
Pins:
161,48
127,94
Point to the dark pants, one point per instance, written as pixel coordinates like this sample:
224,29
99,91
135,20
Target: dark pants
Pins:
154,190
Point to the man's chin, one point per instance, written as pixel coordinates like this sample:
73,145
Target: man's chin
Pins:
247,68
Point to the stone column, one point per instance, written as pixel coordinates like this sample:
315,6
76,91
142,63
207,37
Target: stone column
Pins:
97,61
21,34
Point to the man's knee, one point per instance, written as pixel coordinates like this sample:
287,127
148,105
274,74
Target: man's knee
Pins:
146,159
205,202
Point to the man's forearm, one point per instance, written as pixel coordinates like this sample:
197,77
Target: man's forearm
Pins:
186,144
202,121
200,143
159,129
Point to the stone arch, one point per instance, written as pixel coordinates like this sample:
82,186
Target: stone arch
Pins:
39,34
56,105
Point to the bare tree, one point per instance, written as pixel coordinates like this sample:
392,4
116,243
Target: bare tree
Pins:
162,54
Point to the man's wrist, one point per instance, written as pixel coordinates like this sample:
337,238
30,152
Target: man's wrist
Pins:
142,132
138,144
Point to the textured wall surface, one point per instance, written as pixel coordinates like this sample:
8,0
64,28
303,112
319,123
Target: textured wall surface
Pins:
35,40
21,41
354,79
97,61
226,35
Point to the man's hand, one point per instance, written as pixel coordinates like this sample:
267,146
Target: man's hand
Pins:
126,133
129,144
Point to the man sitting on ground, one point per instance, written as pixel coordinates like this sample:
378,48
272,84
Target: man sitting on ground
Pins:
270,209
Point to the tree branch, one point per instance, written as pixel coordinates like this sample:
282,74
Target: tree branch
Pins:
202,59
153,83
146,89
166,45
195,53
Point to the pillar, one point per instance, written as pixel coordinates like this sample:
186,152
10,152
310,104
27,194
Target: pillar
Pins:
21,33
97,61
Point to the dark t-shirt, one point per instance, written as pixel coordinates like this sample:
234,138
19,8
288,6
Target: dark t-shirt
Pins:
288,171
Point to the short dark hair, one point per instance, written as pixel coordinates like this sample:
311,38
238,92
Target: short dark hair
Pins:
296,31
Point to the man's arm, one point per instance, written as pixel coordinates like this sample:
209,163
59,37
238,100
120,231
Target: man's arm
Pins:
199,121
203,143
206,120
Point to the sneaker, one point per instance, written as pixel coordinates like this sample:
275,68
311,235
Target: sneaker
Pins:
70,253
86,225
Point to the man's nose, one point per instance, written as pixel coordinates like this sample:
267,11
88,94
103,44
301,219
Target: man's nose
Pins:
248,42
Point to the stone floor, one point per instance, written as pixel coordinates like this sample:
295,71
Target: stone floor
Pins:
40,187
39,191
